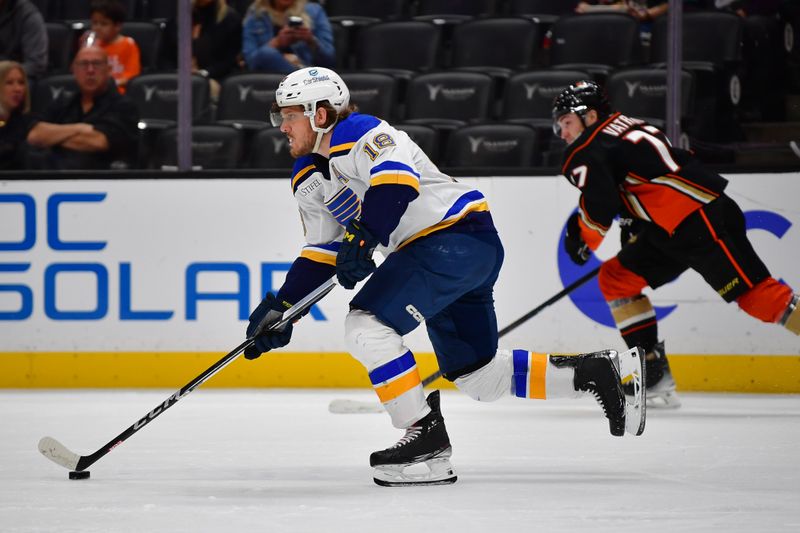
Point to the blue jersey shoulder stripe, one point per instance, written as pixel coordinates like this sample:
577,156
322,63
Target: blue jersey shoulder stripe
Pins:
349,131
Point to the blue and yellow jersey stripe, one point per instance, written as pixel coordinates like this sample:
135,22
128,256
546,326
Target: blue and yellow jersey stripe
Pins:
470,202
321,253
394,173
303,168
344,205
396,377
347,133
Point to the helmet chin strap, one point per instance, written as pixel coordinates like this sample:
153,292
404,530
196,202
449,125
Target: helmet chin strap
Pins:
320,131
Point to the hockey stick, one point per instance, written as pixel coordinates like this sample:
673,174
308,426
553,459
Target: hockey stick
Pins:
343,406
60,454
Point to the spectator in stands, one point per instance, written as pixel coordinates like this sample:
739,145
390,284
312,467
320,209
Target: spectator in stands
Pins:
23,36
15,122
96,129
286,35
216,41
643,11
107,17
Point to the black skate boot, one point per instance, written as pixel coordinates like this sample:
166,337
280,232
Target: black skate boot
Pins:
597,374
425,441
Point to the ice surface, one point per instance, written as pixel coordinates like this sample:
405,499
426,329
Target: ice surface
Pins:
256,461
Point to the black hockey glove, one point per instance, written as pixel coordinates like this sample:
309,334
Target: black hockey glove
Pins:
268,312
578,250
629,228
354,260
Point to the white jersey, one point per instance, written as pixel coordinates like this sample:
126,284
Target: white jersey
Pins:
367,152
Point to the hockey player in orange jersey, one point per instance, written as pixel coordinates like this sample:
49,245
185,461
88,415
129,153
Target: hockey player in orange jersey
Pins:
683,219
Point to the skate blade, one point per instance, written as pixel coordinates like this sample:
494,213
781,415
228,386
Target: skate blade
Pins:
662,395
440,472
663,400
632,375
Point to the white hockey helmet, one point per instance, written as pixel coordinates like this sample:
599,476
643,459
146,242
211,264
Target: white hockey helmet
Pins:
307,87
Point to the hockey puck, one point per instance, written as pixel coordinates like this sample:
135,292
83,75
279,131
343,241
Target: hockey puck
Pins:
79,475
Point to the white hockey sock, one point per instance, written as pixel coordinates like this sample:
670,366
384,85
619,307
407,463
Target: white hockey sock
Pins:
521,373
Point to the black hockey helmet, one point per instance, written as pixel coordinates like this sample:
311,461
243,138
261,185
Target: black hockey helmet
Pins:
579,98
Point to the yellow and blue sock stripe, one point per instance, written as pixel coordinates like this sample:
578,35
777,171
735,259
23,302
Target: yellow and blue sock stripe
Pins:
530,373
395,378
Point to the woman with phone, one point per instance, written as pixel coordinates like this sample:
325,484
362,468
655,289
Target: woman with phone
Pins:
285,35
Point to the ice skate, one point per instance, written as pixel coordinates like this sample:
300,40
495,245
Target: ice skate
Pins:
660,384
599,374
632,373
426,441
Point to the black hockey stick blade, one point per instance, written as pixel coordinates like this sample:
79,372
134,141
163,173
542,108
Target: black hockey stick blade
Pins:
61,455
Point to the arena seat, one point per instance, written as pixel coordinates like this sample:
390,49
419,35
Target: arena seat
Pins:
245,99
269,148
373,93
213,146
448,99
492,145
595,42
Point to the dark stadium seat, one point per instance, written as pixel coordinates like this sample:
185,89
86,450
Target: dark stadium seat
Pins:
448,99
245,99
213,146
513,44
148,37
546,11
492,145
528,97
73,10
156,97
61,46
269,148
455,10
373,93
360,12
710,39
595,42
642,93
398,48
158,10
342,37
52,88
425,137
712,47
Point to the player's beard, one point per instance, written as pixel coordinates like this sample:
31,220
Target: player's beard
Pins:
302,147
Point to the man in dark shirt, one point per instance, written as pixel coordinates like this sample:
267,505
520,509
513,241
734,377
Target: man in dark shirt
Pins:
95,129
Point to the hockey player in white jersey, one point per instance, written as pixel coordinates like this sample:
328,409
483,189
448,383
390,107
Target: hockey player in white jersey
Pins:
363,186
